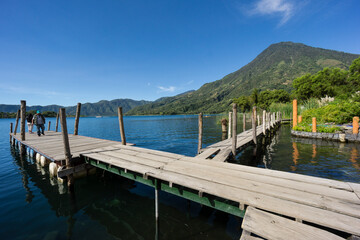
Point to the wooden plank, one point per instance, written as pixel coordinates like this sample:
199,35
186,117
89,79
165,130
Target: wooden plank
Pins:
307,213
311,199
262,176
222,155
271,226
356,188
334,184
207,153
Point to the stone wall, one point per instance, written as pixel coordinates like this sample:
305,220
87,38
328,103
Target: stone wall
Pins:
341,137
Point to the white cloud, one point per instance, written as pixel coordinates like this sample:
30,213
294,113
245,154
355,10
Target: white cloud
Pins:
166,89
271,7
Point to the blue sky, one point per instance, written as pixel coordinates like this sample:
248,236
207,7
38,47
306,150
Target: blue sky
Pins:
64,52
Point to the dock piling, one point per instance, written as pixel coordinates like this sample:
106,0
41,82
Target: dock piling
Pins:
11,130
57,121
77,117
244,122
253,120
200,132
263,122
229,126
234,131
22,125
121,125
49,123
17,121
68,160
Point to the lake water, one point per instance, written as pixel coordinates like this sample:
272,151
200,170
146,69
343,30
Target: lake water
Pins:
105,206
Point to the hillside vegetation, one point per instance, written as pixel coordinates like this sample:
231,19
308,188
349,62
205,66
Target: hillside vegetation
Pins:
275,68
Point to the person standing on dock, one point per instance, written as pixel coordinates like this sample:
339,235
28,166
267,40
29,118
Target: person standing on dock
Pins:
39,121
29,120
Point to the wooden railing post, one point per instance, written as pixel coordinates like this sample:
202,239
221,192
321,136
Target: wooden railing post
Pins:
314,124
57,121
121,125
229,126
254,123
11,130
295,113
22,125
234,131
200,132
17,121
49,123
355,125
68,160
77,117
264,122
258,120
244,122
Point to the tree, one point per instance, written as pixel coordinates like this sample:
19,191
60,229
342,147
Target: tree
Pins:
243,102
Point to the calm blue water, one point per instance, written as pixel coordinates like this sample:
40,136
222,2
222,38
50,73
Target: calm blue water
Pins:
105,206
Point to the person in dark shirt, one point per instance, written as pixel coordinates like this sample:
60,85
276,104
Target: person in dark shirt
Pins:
29,119
39,121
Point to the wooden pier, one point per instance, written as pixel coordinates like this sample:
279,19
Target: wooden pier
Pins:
312,207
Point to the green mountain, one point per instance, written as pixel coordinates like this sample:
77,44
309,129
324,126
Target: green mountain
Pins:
101,108
275,68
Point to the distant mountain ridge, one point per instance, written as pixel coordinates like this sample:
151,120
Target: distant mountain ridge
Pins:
274,68
101,108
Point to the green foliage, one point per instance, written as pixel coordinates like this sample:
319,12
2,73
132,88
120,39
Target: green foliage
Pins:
308,104
267,97
243,103
304,127
284,108
339,111
254,96
330,82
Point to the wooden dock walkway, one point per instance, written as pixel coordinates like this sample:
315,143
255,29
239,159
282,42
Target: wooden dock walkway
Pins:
227,187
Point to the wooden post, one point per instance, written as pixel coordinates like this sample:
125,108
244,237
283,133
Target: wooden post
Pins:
258,120
229,126
200,132
299,119
234,131
314,124
355,125
70,178
224,125
77,116
49,125
121,125
254,123
264,122
57,121
244,122
11,130
22,125
294,113
17,121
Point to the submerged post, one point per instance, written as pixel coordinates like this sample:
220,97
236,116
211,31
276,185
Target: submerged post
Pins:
17,121
77,116
57,121
70,178
121,125
200,132
234,131
294,113
254,123
11,130
49,125
314,124
229,126
355,125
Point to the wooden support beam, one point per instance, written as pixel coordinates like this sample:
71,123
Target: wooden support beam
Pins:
77,117
253,119
11,130
200,132
295,113
49,124
68,156
229,126
244,122
121,125
17,121
355,125
22,125
234,131
264,122
57,121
